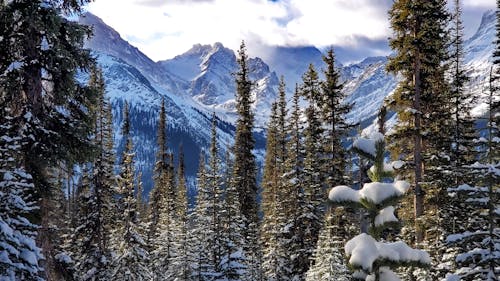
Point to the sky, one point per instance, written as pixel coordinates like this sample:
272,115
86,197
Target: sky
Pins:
357,29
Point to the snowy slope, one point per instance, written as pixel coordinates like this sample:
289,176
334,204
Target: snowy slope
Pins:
186,124
478,58
201,81
209,72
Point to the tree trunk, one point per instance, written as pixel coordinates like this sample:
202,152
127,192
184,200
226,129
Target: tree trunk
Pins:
419,193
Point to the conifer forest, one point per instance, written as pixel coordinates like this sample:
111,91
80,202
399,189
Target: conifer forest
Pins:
416,197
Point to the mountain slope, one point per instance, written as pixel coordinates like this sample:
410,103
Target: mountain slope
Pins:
200,81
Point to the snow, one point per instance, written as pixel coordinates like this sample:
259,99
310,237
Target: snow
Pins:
398,164
343,193
390,167
64,258
385,274
363,250
367,145
374,192
29,256
385,215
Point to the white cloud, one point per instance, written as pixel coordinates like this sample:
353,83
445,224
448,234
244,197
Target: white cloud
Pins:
488,4
163,29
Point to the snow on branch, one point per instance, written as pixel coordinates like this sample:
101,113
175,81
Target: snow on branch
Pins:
363,251
372,193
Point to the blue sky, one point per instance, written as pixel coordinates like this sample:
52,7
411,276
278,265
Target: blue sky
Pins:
165,28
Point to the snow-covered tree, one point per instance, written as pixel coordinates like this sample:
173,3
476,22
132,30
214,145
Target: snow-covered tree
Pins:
311,211
293,178
233,262
131,261
478,242
328,263
20,257
372,258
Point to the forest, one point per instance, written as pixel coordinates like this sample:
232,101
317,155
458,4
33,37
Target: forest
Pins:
415,200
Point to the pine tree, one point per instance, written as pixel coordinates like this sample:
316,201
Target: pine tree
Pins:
132,258
419,42
163,225
158,192
245,170
311,210
203,232
479,241
233,262
334,111
41,51
90,256
62,266
371,258
214,179
270,198
328,260
181,265
273,235
452,216
21,256
293,179
95,201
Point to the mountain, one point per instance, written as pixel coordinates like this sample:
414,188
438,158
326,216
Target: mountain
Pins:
209,70
292,62
200,81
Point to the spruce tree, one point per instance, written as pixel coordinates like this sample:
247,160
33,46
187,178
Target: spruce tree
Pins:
270,198
419,43
158,192
334,111
181,265
479,241
311,210
273,237
208,212
233,262
41,51
203,232
214,179
245,169
371,258
293,179
163,225
21,256
328,262
132,258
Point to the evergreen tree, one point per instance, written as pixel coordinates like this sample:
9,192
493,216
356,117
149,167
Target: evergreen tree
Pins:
334,111
419,43
214,180
233,262
311,210
181,265
21,256
163,226
273,235
132,258
158,192
58,222
90,256
451,214
293,179
328,260
245,170
205,268
371,258
41,51
479,241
